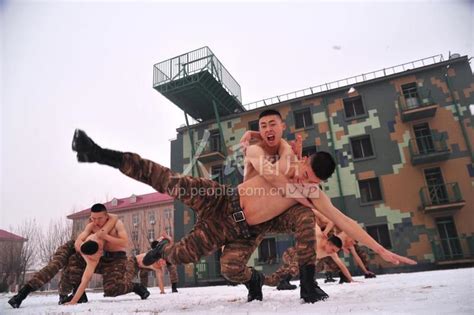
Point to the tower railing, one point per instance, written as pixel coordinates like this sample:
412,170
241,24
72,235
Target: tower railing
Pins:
199,60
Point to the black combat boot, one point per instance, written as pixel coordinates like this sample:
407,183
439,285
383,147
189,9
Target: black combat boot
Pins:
254,285
173,288
63,299
285,284
141,290
308,287
320,291
156,253
88,151
16,300
342,278
329,278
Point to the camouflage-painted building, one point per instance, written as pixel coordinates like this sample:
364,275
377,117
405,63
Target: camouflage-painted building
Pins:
402,137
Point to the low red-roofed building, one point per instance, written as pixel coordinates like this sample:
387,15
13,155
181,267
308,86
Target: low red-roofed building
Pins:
10,251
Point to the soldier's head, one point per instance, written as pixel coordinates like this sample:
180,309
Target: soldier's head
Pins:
316,168
99,215
347,242
271,126
332,245
89,247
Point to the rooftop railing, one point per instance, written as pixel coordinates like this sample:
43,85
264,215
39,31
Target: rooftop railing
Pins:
346,82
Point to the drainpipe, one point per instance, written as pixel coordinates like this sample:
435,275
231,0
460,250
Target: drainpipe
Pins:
460,118
332,145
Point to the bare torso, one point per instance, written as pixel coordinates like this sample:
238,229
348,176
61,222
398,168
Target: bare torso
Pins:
107,245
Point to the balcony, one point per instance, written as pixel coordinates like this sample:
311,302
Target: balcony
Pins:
428,149
418,105
453,250
436,198
210,153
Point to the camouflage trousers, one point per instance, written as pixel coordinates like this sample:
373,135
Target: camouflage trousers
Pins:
117,273
290,267
58,261
327,264
363,255
172,270
214,226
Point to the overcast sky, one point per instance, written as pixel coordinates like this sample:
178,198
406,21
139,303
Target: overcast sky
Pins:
68,64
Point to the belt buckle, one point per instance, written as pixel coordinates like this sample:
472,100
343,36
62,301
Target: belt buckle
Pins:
238,216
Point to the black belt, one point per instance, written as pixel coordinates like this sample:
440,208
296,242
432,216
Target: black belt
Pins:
238,214
119,254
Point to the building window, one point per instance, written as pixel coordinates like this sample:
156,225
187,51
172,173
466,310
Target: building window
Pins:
370,190
151,218
169,230
151,235
436,187
448,235
267,251
303,118
135,236
353,107
253,125
215,141
410,93
217,174
361,148
167,214
307,151
380,234
120,217
135,219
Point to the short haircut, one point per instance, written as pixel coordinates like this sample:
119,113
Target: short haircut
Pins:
269,112
322,164
98,207
154,244
90,247
336,241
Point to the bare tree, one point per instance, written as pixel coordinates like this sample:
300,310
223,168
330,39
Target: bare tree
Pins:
57,234
28,229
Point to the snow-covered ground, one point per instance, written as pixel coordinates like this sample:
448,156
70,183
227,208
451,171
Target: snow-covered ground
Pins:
432,292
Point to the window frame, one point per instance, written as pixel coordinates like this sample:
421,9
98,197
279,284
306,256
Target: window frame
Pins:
355,138
372,202
347,99
303,111
378,233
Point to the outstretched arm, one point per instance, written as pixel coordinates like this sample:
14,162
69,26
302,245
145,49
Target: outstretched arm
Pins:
323,204
86,278
159,278
358,261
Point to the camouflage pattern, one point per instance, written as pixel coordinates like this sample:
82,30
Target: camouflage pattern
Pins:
173,272
117,273
363,255
143,275
214,226
58,261
327,264
289,267
443,98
